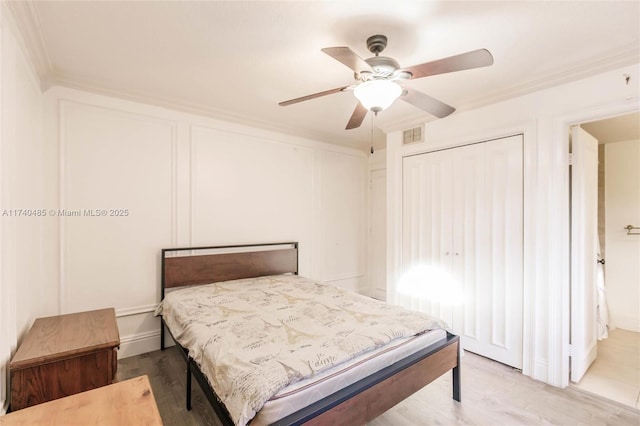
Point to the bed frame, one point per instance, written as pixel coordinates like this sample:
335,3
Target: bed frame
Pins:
356,404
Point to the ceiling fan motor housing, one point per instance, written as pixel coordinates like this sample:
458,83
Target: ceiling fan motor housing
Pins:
382,66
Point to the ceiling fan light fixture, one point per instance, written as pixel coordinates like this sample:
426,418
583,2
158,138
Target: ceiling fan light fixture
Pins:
377,95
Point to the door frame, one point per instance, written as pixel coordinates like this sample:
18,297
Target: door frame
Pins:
372,290
377,161
561,131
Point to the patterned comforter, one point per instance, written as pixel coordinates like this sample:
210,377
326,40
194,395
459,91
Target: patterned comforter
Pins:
254,337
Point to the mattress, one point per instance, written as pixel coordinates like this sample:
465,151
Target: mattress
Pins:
252,338
305,392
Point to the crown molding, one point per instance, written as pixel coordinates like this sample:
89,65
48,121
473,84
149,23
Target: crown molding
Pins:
625,56
204,110
27,21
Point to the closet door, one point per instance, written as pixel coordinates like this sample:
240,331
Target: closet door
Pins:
427,235
489,241
469,239
462,243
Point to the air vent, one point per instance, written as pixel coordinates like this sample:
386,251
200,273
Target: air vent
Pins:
412,135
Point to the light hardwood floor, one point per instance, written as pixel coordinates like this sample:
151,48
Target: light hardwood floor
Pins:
492,394
615,374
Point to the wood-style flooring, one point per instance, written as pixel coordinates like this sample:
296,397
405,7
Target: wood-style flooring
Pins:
492,394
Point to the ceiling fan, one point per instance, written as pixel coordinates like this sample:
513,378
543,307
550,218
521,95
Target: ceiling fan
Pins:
379,79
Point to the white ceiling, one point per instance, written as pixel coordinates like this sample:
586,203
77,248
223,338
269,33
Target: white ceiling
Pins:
616,129
235,60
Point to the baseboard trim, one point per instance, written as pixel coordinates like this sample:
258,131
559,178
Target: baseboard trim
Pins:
135,310
625,323
139,344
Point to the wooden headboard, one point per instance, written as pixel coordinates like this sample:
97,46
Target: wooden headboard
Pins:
187,266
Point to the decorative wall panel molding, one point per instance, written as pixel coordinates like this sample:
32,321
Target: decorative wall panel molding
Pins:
118,177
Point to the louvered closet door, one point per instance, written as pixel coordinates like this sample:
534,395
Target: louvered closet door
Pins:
488,239
427,231
469,239
462,222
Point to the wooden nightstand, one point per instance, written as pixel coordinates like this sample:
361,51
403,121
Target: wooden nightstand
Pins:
130,402
64,355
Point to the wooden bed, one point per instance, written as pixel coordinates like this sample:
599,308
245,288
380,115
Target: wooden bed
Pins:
358,403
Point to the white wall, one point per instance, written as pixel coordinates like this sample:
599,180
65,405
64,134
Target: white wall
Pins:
184,180
27,270
544,118
622,208
180,179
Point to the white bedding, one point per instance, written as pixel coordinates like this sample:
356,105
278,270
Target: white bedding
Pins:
254,337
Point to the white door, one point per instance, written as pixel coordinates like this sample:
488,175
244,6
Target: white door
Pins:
427,234
378,233
470,254
489,249
462,243
584,234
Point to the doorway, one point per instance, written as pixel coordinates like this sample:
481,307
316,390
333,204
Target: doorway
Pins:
615,372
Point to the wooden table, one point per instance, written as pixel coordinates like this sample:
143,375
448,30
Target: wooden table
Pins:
130,402
63,355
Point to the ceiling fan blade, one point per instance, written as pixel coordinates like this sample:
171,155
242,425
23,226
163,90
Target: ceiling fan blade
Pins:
474,59
347,57
427,103
313,96
357,117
